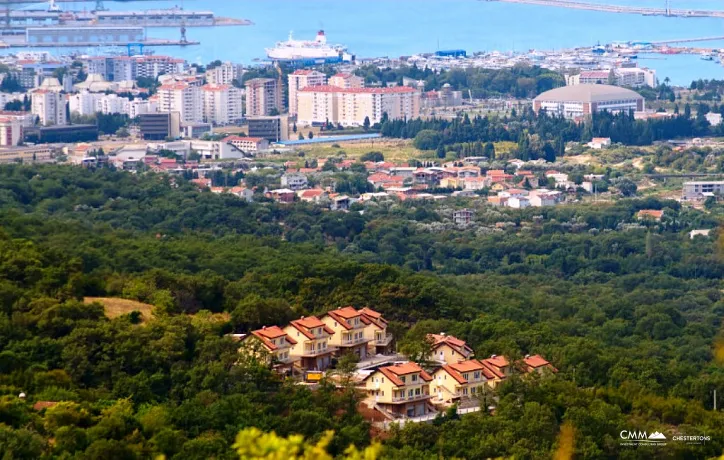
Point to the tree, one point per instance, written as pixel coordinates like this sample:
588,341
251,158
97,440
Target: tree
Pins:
366,124
310,135
440,152
372,156
14,106
300,137
253,444
294,127
427,139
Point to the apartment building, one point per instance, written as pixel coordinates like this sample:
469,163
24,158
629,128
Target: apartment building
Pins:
312,347
380,342
138,107
300,79
84,103
273,345
153,66
11,131
346,81
400,390
224,74
123,68
112,103
222,104
464,380
183,98
348,325
448,349
263,97
350,107
251,145
49,107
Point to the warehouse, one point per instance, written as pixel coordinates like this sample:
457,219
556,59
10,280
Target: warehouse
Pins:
583,100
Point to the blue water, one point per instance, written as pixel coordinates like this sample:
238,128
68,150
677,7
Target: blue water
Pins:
403,27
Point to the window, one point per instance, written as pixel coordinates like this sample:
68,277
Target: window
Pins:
477,374
473,389
409,393
403,379
417,391
414,377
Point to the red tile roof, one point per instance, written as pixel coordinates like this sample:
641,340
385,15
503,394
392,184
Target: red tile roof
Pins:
267,333
395,371
458,345
536,361
304,325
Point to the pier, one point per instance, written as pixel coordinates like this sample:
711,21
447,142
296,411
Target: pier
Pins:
620,9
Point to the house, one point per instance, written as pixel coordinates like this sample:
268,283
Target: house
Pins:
340,203
348,326
448,349
475,183
380,341
498,200
246,194
464,380
312,343
542,199
600,142
313,195
277,346
294,181
463,216
499,365
518,202
282,195
400,390
497,175
694,233
536,363
650,214
714,119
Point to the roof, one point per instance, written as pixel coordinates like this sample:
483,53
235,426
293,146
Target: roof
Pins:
242,139
267,333
303,325
453,342
342,315
588,93
337,89
40,405
536,361
395,371
651,213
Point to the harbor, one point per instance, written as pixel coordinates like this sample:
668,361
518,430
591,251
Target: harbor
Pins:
644,11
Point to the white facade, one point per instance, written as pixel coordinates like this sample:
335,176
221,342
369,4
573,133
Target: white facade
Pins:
301,79
222,104
84,104
11,131
182,98
224,74
111,103
346,81
138,107
294,181
49,107
263,95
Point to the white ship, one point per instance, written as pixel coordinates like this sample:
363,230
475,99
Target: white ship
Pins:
308,51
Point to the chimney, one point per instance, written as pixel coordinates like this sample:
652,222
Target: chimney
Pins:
442,334
527,356
493,356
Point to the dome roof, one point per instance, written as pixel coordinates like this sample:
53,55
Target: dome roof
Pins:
588,93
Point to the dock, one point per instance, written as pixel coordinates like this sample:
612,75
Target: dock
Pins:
645,11
5,43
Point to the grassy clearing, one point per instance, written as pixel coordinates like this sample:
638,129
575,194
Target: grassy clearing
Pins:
116,307
393,150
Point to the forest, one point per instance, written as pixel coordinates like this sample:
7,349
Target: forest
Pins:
629,312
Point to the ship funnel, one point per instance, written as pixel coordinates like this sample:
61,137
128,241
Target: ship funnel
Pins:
321,38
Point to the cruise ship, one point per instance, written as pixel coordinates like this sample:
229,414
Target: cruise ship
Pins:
315,51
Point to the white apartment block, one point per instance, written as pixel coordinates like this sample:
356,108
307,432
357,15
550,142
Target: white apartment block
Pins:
84,103
153,66
138,107
263,95
123,68
224,74
634,77
301,79
11,131
182,98
350,107
111,103
346,80
49,107
223,104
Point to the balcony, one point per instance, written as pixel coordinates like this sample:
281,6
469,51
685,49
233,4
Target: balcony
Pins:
403,399
351,342
383,340
310,352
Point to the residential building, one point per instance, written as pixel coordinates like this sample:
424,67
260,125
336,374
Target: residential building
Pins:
697,190
536,363
276,345
112,103
713,118
11,131
183,98
222,104
294,181
352,106
463,216
312,343
499,365
650,214
380,341
600,142
251,145
272,128
49,107
83,103
400,390
224,74
460,381
346,81
348,325
263,97
300,79
138,107
448,349
635,77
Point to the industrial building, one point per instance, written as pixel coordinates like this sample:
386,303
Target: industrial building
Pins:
698,190
584,100
83,35
273,129
160,126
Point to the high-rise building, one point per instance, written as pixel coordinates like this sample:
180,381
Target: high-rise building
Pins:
111,103
84,103
302,79
222,104
350,107
160,126
346,81
49,107
263,97
224,74
11,131
182,98
273,129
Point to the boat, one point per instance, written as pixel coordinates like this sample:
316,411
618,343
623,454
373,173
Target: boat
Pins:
308,51
707,57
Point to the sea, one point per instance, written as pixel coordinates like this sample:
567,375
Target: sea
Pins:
393,28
